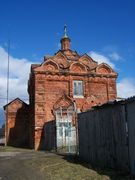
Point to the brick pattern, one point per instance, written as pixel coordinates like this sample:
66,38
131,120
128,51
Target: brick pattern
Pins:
51,85
17,124
54,77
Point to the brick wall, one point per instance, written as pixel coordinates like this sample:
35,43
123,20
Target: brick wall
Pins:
55,76
17,124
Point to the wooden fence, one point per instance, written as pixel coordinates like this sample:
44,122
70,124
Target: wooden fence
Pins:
107,136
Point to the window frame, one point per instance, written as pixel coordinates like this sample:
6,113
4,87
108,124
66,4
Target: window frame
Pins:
75,95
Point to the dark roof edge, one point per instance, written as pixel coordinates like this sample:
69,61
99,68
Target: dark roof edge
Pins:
110,103
13,101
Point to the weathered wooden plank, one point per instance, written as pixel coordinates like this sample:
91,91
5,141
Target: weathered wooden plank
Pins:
104,138
131,132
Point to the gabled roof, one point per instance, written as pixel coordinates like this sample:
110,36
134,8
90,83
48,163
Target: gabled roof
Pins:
64,59
69,54
17,99
104,65
89,57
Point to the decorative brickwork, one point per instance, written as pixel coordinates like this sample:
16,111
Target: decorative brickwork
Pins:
51,80
61,80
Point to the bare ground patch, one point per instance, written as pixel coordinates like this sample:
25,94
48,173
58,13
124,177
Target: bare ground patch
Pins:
23,164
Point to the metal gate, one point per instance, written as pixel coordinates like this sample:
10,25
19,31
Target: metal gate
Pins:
65,130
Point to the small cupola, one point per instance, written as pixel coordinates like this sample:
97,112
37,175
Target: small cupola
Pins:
65,40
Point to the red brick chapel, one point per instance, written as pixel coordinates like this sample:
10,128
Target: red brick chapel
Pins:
59,87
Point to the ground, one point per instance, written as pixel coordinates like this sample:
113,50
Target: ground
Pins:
23,164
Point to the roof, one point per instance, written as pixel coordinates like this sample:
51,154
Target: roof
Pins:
69,61
115,102
16,99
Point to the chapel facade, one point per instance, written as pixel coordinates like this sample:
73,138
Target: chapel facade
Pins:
61,86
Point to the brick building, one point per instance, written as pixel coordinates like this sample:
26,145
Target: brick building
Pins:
17,123
60,86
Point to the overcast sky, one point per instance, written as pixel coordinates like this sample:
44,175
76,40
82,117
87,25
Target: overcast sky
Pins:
103,29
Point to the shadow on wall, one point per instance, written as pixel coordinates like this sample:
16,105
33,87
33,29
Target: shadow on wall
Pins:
48,136
19,134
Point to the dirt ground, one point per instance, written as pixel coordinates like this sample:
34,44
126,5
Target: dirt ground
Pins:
23,164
